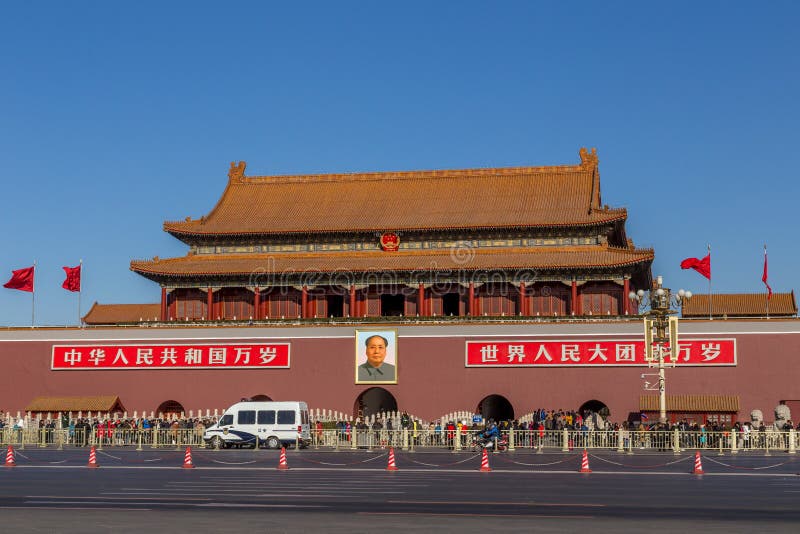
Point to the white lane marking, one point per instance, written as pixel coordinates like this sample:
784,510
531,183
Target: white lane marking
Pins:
105,498
432,472
104,508
246,492
470,514
245,505
496,503
313,488
89,502
286,495
291,485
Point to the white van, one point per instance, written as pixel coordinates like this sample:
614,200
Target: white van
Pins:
275,424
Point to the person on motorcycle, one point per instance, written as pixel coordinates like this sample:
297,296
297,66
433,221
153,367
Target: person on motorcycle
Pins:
490,433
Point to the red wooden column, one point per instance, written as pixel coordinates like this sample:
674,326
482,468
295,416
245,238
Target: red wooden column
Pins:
304,303
172,307
574,301
471,299
353,311
257,304
163,303
523,303
421,305
626,302
210,304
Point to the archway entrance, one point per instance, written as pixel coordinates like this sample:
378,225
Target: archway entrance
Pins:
593,406
261,398
495,407
595,413
374,400
170,409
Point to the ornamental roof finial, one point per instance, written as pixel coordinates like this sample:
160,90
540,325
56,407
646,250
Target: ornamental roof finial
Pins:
236,172
588,159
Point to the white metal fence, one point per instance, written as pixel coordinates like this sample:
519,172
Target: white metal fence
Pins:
628,441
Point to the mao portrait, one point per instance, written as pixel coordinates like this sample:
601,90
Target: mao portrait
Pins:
376,356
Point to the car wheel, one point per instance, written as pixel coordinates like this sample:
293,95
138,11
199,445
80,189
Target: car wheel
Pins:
216,442
273,443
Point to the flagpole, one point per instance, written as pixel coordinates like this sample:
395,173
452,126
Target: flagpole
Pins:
80,289
33,296
765,262
710,296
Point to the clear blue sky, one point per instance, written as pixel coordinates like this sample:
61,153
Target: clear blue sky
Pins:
115,117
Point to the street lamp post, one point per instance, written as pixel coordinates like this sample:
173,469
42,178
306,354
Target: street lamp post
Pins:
660,329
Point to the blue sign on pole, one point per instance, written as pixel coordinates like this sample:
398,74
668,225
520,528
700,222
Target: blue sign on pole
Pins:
477,418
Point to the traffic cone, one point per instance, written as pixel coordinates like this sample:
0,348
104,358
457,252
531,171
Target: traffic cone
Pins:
10,457
392,466
282,463
698,464
187,459
92,458
485,462
585,463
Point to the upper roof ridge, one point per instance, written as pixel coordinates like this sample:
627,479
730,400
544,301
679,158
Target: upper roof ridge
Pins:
236,177
492,197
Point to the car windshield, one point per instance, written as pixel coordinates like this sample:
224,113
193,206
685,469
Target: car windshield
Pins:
227,419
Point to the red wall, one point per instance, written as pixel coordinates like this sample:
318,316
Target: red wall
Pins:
431,373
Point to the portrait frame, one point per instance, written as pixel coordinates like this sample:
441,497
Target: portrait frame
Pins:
361,336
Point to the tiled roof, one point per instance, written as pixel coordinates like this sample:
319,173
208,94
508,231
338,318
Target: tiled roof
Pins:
122,313
544,257
741,305
102,403
567,195
691,403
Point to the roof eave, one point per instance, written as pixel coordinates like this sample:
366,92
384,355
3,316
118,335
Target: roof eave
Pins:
179,232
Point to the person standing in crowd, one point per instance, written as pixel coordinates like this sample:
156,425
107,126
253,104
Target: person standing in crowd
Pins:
405,420
83,430
450,433
377,426
390,431
19,427
318,431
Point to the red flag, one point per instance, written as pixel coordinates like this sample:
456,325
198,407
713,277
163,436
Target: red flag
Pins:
73,280
21,279
764,276
701,266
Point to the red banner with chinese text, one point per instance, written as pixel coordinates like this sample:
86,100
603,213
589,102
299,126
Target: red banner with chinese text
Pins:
606,353
171,356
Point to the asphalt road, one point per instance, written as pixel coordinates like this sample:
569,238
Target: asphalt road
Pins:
242,491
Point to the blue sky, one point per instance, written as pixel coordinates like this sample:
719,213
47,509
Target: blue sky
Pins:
115,117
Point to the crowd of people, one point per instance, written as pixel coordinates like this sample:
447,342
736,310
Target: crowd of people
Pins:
536,430
459,433
83,431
